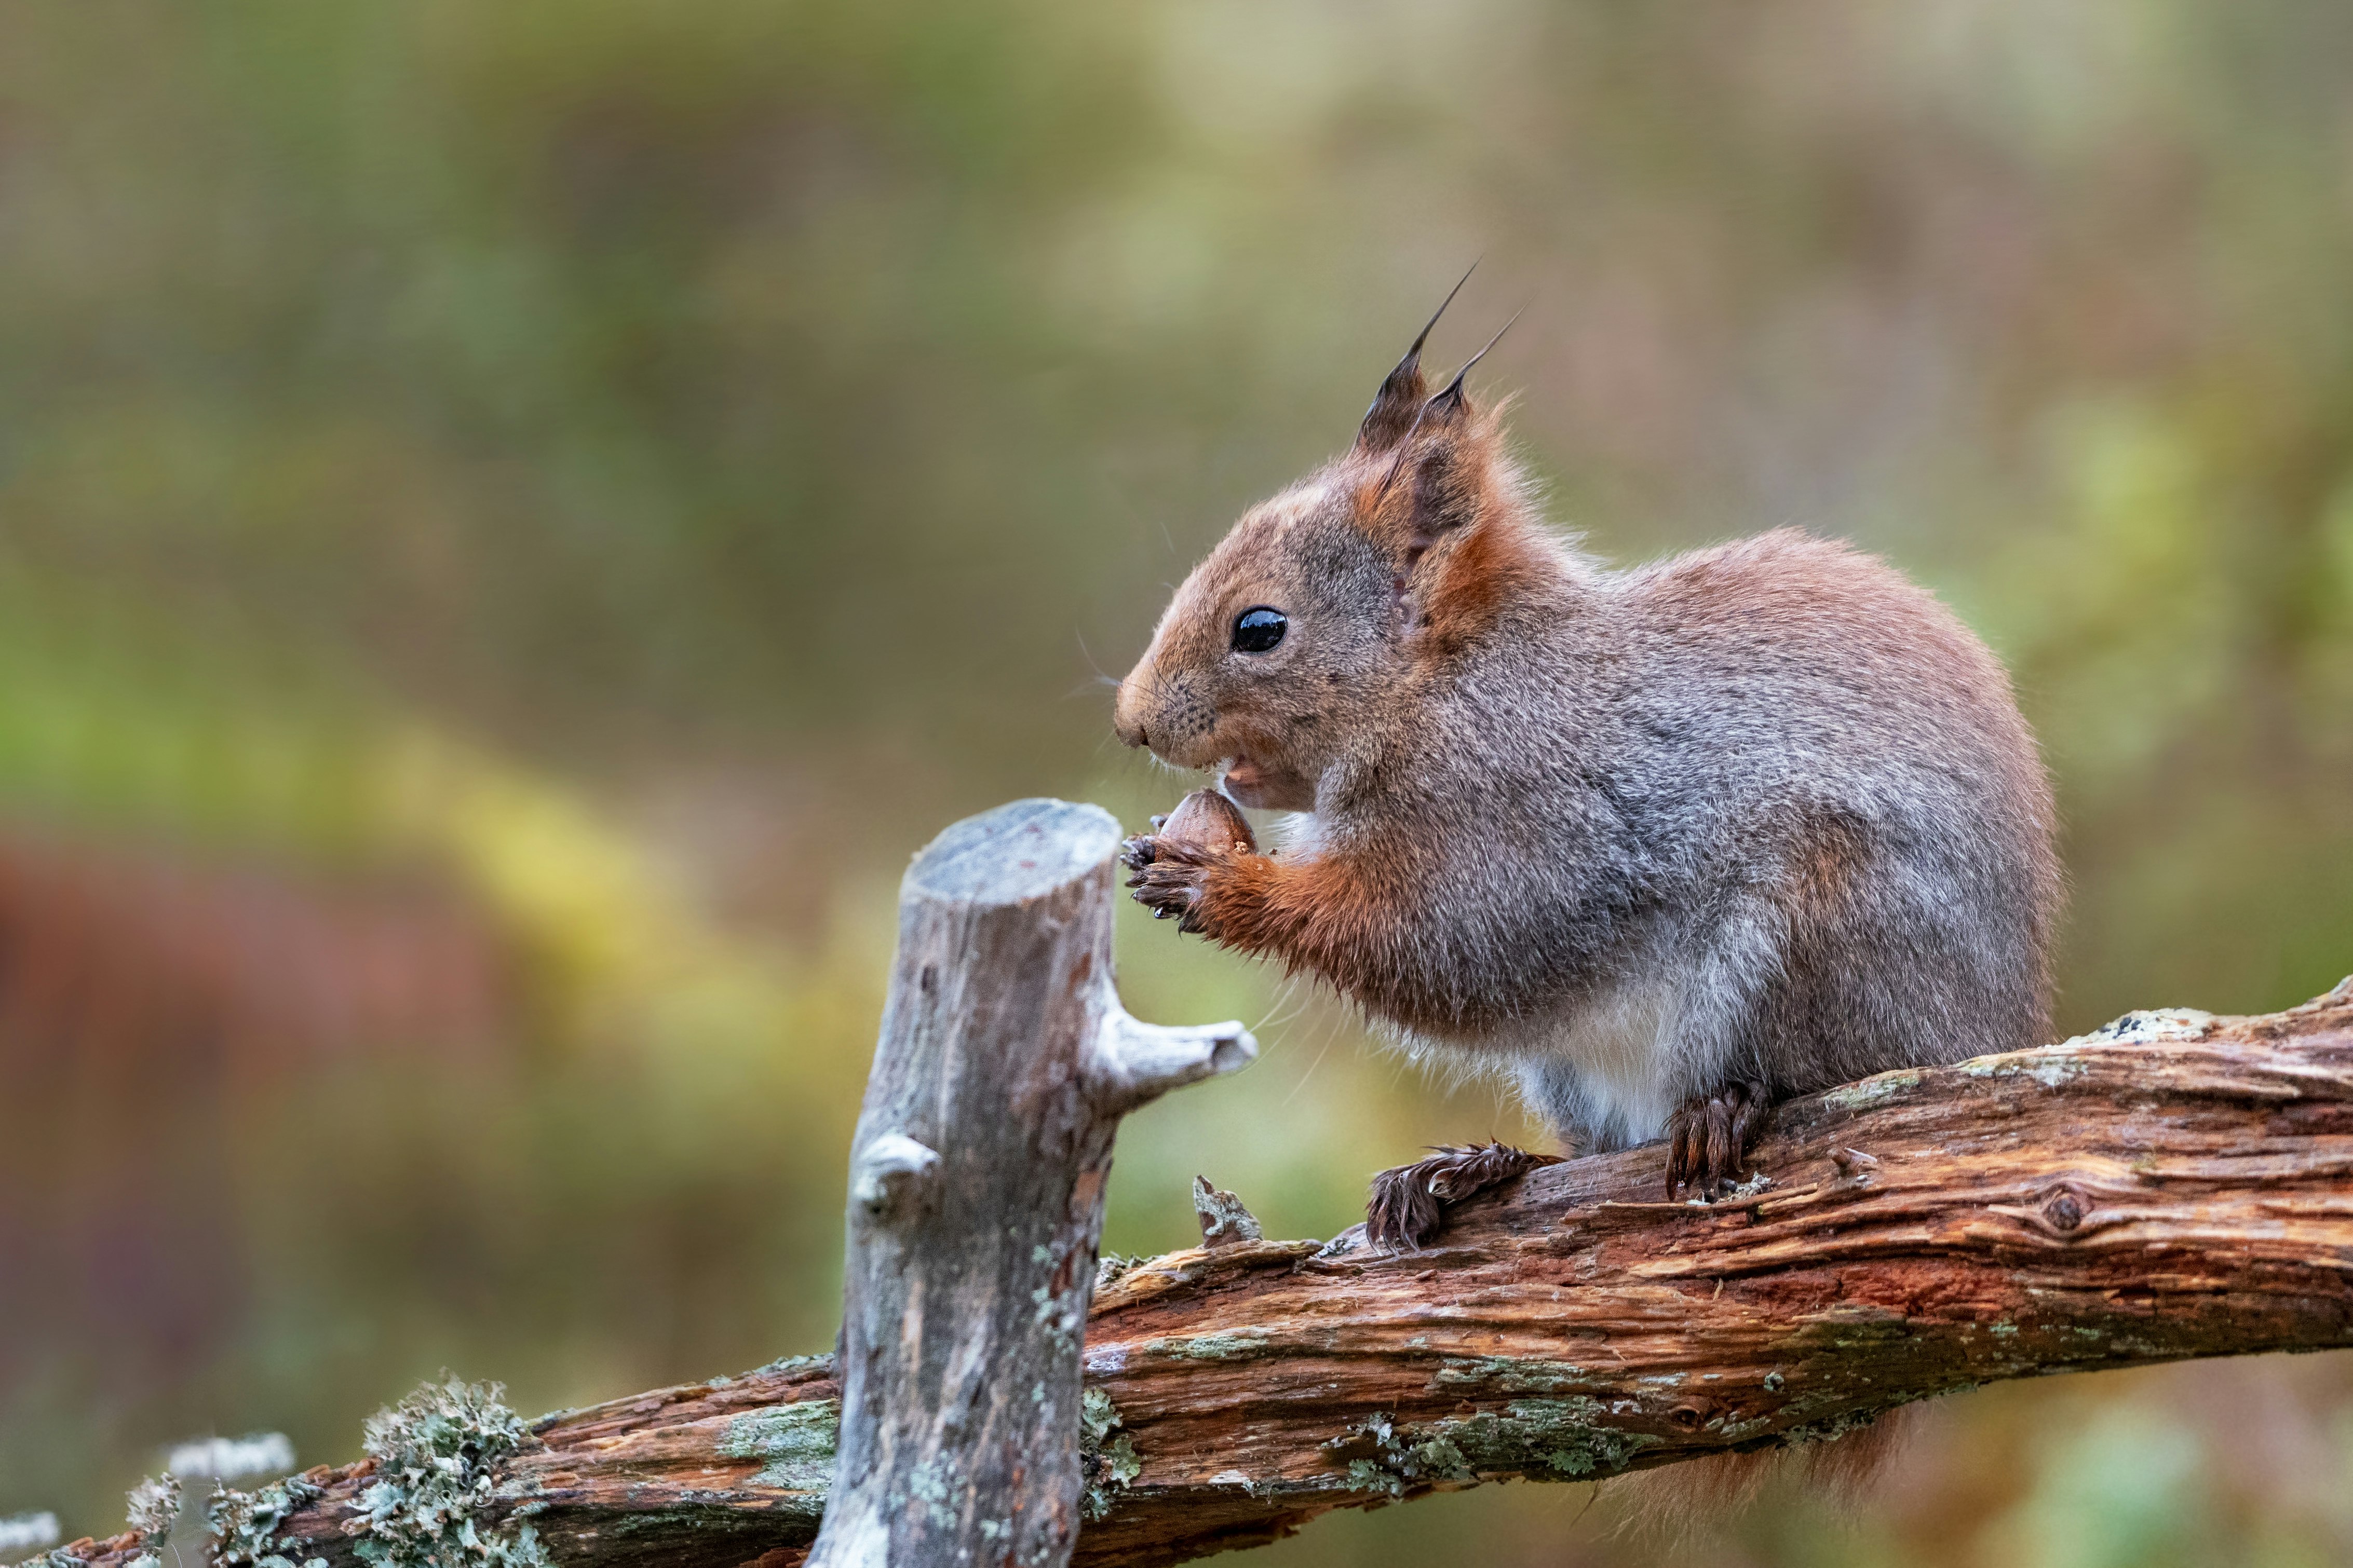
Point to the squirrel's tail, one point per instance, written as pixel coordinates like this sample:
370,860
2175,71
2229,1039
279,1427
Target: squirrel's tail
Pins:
1677,1501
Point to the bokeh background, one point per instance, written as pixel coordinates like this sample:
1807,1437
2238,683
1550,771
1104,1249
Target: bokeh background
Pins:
515,520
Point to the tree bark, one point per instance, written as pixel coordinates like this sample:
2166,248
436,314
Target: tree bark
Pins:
2172,1186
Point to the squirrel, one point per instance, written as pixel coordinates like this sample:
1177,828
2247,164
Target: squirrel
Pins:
1663,844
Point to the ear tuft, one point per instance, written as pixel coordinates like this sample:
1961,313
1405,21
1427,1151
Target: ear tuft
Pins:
1446,413
1450,403
1397,406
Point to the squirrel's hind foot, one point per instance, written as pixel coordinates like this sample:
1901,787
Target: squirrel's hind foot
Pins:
1708,1136
1408,1204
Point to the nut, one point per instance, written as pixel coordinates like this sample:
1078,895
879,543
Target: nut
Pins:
1208,820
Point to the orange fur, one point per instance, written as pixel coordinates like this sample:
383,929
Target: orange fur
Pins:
1339,916
1474,578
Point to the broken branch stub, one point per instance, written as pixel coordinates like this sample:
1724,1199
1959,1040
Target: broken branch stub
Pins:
977,1194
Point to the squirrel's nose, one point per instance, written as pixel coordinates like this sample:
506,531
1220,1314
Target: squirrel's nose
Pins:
1127,726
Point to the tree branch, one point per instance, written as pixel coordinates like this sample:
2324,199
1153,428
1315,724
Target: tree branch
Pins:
2173,1187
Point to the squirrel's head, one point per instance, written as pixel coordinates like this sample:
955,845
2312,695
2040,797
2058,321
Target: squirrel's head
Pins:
1294,641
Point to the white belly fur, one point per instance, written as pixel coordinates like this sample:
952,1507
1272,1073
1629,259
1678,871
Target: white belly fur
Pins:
1605,1076
1622,1047
1610,1073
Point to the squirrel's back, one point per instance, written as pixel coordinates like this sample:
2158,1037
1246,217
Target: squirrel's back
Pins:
1856,756
1794,652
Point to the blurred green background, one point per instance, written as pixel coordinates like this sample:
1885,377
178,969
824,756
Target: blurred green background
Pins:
515,520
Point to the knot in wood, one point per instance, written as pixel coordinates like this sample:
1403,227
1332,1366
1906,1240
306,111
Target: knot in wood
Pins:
2064,1211
2069,1206
891,1175
1688,1416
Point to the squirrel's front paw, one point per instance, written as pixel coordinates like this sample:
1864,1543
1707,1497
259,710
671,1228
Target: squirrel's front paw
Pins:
1168,878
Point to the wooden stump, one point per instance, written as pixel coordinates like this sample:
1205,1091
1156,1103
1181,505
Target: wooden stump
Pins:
977,1194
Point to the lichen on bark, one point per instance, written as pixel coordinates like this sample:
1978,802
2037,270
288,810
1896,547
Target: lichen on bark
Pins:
438,1454
1107,1463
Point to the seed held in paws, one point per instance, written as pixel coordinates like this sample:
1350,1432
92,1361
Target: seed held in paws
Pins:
1208,820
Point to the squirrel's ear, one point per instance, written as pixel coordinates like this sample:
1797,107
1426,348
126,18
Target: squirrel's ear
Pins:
1398,405
1446,464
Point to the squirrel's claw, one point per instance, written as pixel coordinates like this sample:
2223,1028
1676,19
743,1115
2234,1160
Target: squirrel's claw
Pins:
1708,1135
1408,1204
1167,879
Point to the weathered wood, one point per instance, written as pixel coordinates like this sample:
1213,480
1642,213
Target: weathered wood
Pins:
2175,1187
977,1194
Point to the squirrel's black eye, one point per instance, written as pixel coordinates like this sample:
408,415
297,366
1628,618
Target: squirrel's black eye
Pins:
1255,631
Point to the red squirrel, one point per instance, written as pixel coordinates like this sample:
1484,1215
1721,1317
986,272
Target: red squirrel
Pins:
1663,843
